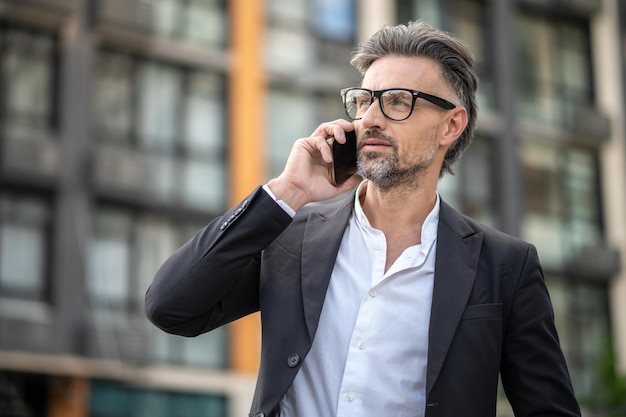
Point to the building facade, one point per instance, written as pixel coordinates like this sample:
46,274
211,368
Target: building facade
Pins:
128,124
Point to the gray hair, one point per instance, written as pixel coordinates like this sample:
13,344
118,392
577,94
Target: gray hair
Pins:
418,39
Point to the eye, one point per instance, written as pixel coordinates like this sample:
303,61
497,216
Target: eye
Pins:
362,100
397,98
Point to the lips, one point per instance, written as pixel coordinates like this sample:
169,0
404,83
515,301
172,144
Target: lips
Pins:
372,144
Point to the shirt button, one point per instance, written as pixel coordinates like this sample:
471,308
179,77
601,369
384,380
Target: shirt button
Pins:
361,345
373,293
350,398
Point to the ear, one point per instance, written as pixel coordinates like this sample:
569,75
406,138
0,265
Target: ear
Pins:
455,123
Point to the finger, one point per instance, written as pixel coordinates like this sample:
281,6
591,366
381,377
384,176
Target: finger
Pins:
323,146
335,129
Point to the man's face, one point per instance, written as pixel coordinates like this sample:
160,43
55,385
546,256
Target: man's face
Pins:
391,152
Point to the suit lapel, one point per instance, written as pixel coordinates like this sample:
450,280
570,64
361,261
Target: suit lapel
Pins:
458,248
321,241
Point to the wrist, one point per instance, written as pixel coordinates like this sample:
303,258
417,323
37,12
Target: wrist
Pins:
293,196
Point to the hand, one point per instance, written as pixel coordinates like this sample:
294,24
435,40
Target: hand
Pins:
305,177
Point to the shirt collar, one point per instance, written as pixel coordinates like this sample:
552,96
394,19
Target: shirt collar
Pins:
429,228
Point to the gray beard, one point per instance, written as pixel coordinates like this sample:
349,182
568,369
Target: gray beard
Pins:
385,174
383,171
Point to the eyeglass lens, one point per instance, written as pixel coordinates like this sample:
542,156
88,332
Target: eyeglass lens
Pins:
395,104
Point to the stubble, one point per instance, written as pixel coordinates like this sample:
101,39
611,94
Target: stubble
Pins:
384,170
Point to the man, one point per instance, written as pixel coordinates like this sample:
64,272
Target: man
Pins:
384,302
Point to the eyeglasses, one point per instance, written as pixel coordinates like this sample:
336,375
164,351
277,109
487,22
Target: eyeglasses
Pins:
395,103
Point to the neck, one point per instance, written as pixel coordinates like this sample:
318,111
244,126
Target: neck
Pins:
398,210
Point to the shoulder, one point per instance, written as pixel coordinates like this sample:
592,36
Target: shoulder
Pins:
493,239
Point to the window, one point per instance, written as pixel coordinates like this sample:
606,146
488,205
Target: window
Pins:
28,83
302,35
208,350
562,216
108,273
161,131
112,399
24,232
125,252
195,22
294,11
554,70
334,19
581,314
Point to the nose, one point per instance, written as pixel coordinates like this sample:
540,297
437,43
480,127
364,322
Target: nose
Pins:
373,116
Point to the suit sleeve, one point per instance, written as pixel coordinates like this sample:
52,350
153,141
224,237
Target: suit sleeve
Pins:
214,278
534,373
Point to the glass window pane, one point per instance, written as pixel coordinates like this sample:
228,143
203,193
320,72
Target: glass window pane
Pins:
180,142
201,22
206,23
24,225
334,19
159,102
204,184
204,115
28,76
107,399
562,216
537,69
109,259
207,350
581,195
582,320
574,62
114,112
475,170
428,10
150,404
554,71
288,10
116,399
288,51
543,222
291,116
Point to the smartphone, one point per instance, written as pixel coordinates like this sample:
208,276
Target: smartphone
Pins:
343,165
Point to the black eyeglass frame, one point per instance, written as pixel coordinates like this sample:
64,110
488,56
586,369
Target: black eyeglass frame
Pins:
438,101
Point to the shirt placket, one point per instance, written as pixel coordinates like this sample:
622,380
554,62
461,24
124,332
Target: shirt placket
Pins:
350,397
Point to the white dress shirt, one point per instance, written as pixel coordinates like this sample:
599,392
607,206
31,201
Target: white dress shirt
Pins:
370,350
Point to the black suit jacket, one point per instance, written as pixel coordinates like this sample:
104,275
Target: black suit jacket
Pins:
491,313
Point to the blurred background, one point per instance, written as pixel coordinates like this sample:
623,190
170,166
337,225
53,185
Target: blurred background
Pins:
125,125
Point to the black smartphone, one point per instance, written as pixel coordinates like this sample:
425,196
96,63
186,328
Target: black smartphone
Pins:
344,159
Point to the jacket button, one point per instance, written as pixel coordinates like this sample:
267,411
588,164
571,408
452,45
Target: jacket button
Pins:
293,360
260,414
